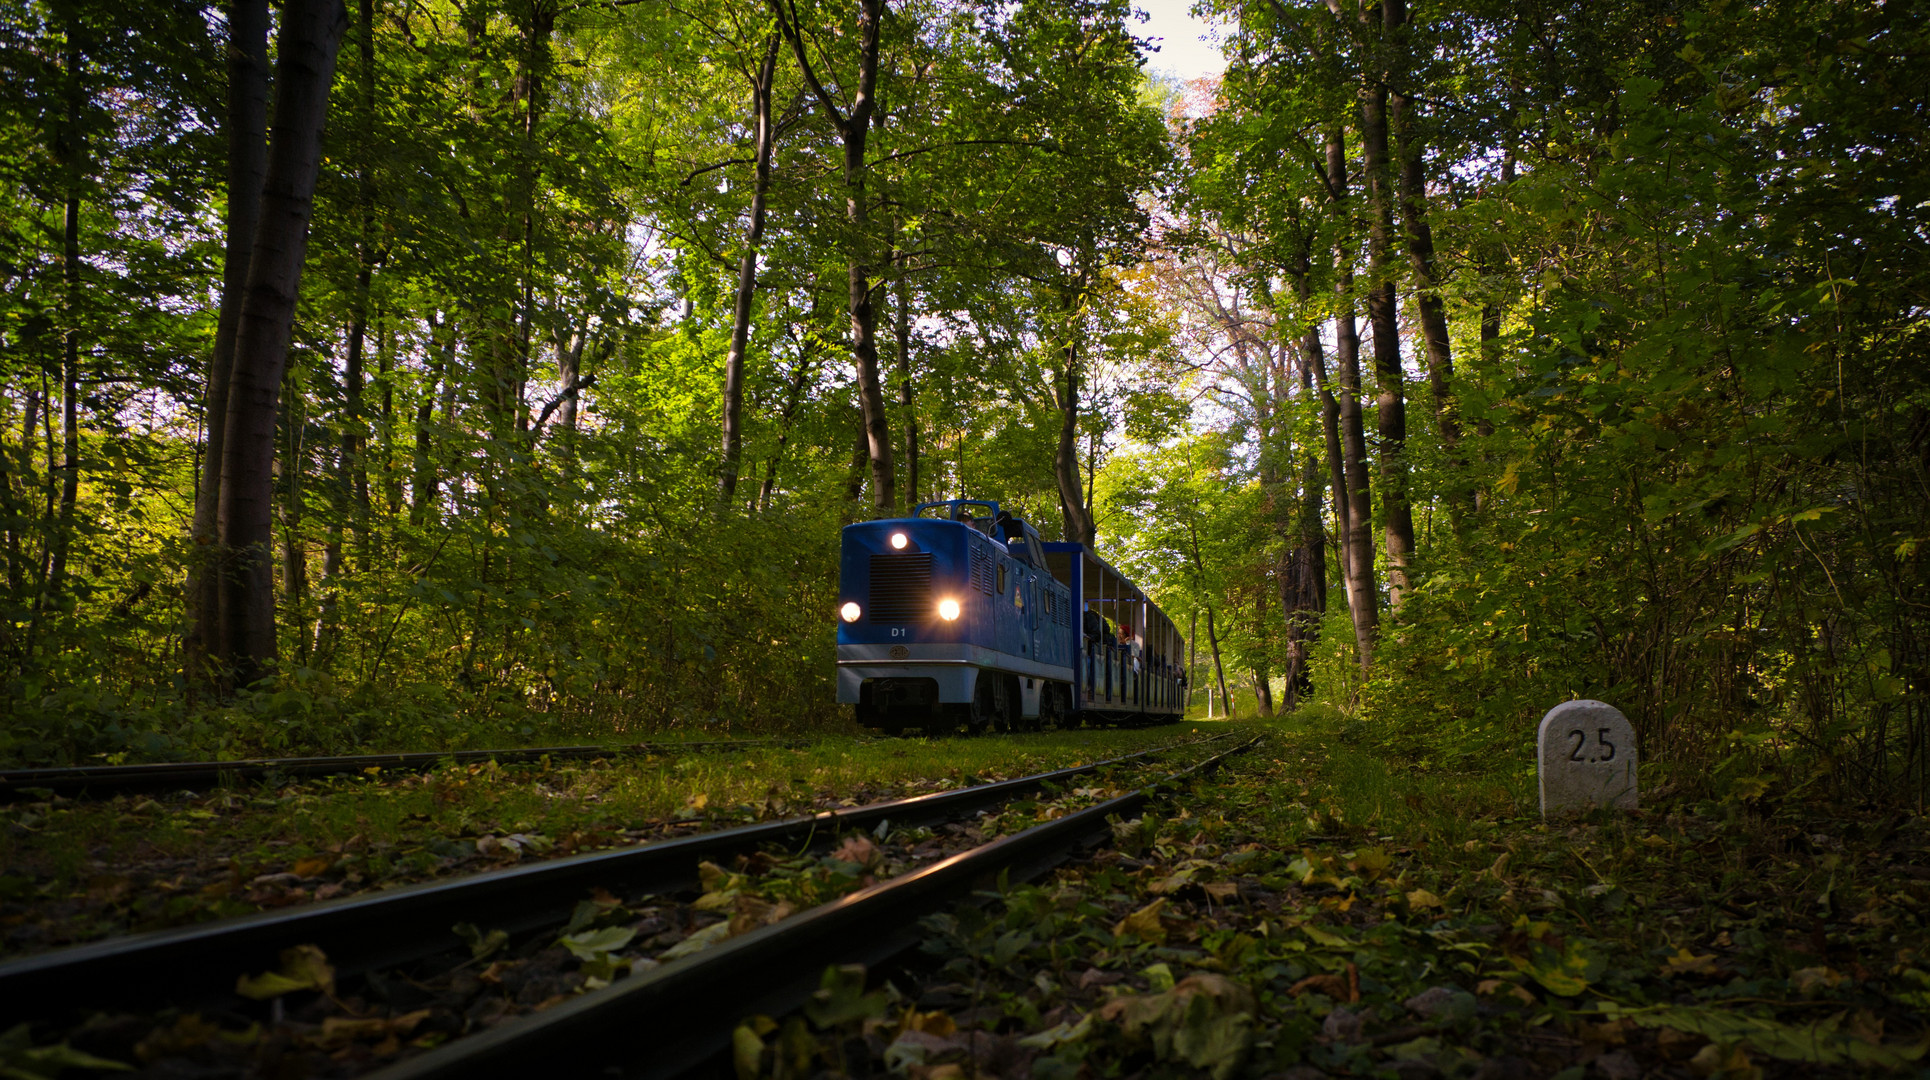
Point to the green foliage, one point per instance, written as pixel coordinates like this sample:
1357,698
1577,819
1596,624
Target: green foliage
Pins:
496,514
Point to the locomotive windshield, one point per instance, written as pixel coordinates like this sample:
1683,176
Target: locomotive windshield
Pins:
957,510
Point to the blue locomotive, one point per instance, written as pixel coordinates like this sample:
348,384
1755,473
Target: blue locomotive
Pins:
959,616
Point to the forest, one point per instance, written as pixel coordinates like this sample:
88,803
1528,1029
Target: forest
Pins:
419,374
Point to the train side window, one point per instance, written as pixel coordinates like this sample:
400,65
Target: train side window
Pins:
1001,591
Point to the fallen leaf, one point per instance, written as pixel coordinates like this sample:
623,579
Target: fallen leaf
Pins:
1325,937
1331,985
1727,1062
931,1023
1205,1022
859,850
304,967
1814,980
1503,986
1685,962
313,866
1370,862
697,942
1144,923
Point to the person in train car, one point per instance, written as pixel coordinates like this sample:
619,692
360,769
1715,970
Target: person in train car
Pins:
1094,626
1106,635
963,516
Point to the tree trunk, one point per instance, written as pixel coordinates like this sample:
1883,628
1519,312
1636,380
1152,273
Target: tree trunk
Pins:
1262,672
1306,578
355,442
854,477
854,128
1383,315
70,154
1219,669
327,613
247,163
740,329
291,468
907,399
1430,308
1420,250
63,525
355,474
422,484
1492,267
311,33
570,385
1358,518
385,374
793,397
1074,506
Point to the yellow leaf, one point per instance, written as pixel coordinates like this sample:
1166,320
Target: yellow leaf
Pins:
1421,900
1812,980
1371,862
1729,1062
1144,923
1325,937
931,1023
1685,962
303,967
313,865
1503,986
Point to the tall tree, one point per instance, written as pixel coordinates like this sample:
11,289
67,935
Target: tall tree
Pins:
1383,306
852,123
311,34
764,134
1357,520
247,139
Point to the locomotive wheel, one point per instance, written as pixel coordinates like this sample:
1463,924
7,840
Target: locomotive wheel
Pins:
1052,706
981,712
984,708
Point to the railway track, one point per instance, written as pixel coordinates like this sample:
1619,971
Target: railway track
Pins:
677,1017
196,966
94,781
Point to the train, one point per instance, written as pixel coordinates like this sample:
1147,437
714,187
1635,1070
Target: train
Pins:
959,617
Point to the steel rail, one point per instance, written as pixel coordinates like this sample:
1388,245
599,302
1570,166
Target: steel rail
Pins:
16,784
673,1018
199,964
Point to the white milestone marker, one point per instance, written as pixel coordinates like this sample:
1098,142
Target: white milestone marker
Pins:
1588,758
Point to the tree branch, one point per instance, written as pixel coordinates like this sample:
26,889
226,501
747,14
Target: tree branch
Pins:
964,142
787,24
725,164
583,382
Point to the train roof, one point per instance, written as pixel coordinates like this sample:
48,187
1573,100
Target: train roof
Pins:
1108,584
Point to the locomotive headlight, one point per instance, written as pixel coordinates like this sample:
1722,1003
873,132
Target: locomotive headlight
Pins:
850,611
948,609
899,540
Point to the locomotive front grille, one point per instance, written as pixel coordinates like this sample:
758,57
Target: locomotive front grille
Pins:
901,587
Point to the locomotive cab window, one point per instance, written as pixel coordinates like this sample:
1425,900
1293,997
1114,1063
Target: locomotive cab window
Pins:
1001,579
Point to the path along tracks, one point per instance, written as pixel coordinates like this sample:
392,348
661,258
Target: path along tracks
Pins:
95,781
197,966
